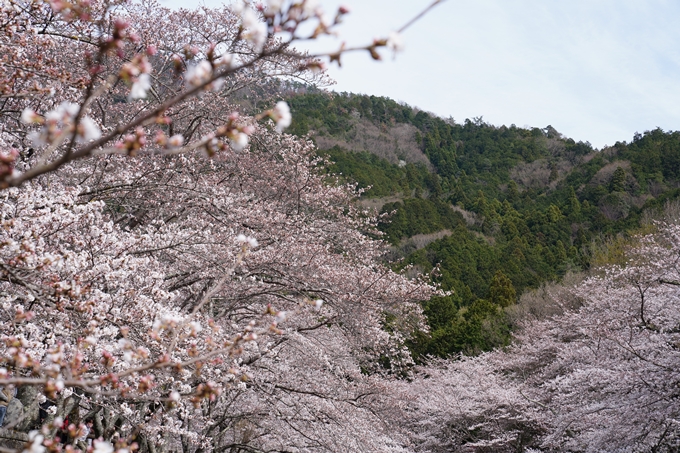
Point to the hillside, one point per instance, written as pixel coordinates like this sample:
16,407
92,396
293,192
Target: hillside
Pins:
498,210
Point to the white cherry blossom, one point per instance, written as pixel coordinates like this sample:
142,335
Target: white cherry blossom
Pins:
281,115
239,142
140,87
199,73
101,446
395,42
35,443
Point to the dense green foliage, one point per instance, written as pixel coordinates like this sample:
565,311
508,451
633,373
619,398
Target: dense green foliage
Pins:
418,216
520,206
333,115
379,176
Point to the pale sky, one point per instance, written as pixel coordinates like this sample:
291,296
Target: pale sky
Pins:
595,70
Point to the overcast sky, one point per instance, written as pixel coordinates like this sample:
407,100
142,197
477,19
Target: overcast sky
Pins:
595,70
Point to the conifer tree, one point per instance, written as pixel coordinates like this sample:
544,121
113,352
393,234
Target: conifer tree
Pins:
501,291
617,183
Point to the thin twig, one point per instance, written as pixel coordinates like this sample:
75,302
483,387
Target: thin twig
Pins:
422,13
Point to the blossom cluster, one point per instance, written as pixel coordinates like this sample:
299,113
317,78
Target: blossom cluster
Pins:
175,307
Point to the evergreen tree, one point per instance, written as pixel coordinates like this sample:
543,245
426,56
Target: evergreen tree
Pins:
617,183
501,291
574,206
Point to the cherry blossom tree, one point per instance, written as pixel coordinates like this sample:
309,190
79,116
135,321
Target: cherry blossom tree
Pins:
233,301
115,77
614,380
470,404
174,272
600,376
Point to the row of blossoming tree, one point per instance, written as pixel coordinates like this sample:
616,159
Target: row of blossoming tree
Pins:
176,274
593,367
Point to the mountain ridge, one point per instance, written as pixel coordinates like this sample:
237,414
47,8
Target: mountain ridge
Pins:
520,207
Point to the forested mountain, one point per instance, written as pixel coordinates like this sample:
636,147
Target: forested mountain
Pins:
497,210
